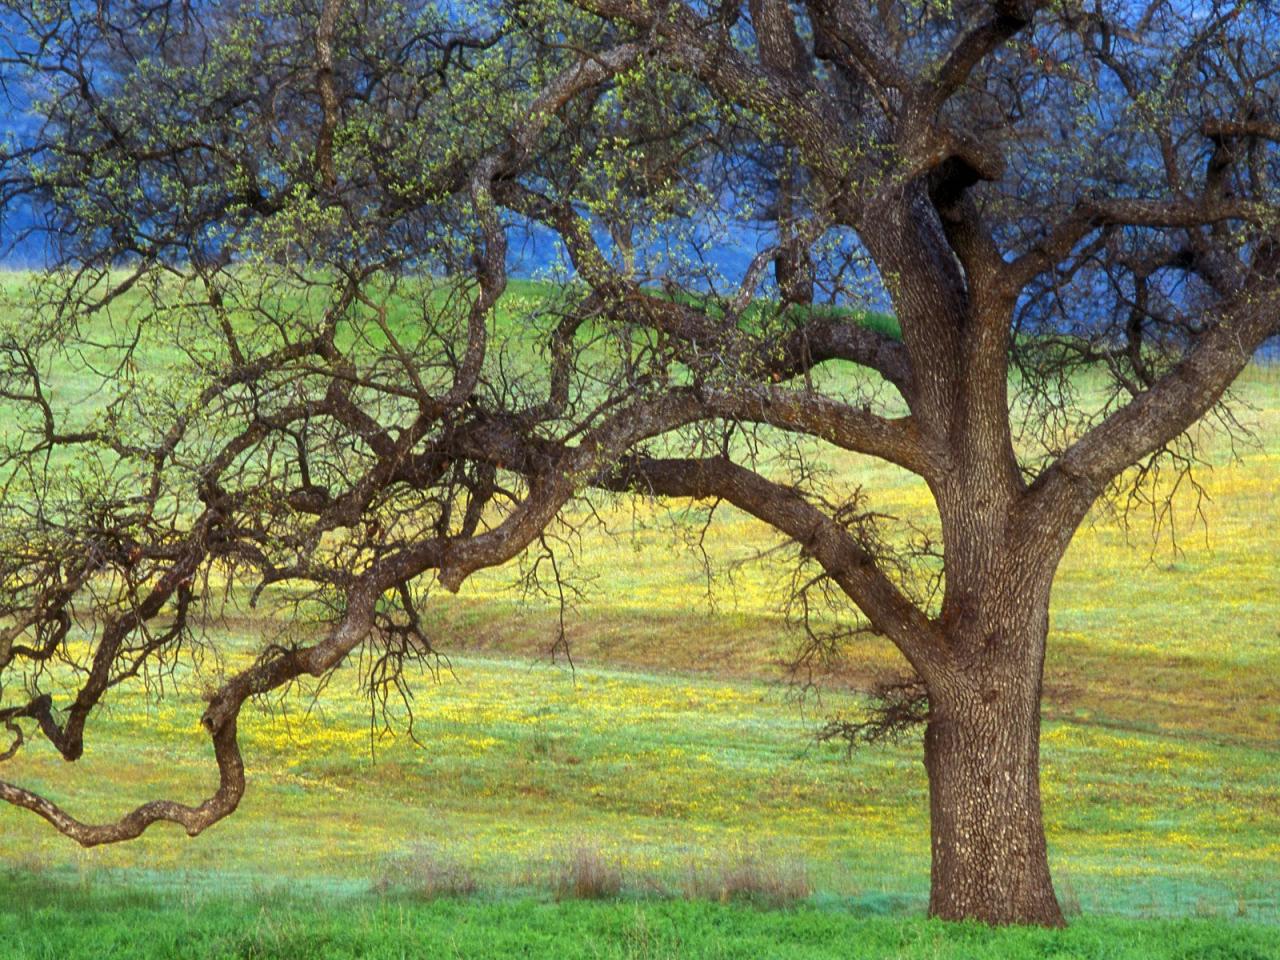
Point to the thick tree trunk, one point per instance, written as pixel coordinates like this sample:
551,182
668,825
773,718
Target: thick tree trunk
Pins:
982,754
989,860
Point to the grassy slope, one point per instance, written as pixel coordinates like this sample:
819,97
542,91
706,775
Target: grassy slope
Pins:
672,745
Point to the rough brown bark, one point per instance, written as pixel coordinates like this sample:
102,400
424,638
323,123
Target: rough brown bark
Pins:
982,754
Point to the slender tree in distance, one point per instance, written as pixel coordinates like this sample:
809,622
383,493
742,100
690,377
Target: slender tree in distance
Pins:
312,203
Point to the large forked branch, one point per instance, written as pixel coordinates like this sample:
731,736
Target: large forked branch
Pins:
491,265
503,442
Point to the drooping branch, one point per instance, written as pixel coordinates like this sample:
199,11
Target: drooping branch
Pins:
850,428
220,721
194,820
848,563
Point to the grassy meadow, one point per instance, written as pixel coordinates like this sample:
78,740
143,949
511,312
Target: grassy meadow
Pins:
671,769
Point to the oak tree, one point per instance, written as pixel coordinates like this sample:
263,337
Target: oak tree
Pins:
308,210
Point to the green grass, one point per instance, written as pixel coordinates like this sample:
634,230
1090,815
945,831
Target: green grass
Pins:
41,920
675,743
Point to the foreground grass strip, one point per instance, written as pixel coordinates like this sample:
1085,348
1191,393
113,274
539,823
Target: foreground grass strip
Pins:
41,919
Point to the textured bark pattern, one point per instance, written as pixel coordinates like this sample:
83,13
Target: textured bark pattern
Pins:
982,753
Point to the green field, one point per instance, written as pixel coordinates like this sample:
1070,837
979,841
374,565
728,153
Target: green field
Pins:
674,760
46,923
